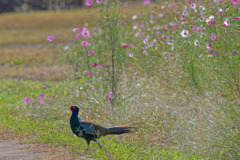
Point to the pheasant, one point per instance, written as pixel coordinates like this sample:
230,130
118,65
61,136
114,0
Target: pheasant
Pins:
91,131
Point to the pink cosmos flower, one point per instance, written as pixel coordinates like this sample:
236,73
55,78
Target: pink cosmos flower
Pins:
173,4
124,47
161,37
190,2
85,33
120,21
215,53
84,43
199,30
237,18
194,29
130,44
50,38
137,34
166,27
93,51
209,46
88,2
88,54
90,74
76,29
110,97
182,18
50,98
41,96
42,101
221,95
220,11
235,2
213,37
103,66
78,35
211,23
175,27
27,100
99,1
147,2
44,87
95,65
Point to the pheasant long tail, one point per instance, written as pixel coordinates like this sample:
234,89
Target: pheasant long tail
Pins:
120,129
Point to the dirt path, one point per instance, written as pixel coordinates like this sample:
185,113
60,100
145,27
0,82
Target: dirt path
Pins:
12,150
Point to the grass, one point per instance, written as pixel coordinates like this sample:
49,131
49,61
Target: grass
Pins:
156,95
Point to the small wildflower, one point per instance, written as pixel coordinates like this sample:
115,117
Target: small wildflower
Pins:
44,87
176,26
50,38
184,33
93,51
124,47
213,37
209,46
194,29
88,2
78,35
134,17
99,1
95,65
196,42
41,96
147,2
220,11
50,98
193,5
84,43
226,22
235,2
130,54
90,74
42,101
27,100
76,29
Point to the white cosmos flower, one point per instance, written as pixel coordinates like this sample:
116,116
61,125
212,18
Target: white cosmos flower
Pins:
184,33
135,27
196,43
226,22
134,17
211,17
193,5
202,8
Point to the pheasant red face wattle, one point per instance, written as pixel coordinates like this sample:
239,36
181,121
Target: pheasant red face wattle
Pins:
73,108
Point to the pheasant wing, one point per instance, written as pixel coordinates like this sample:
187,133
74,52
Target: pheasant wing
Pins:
92,128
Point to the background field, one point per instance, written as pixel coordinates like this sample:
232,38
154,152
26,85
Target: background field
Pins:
173,119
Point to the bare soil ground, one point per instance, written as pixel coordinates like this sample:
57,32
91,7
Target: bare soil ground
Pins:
14,149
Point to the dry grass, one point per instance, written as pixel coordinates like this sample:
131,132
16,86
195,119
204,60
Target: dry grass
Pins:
33,64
